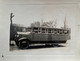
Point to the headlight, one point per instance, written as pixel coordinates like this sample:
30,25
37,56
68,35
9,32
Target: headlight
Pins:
17,35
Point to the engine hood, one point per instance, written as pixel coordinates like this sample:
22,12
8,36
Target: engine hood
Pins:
23,33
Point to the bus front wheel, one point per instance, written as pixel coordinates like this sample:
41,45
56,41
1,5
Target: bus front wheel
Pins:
23,44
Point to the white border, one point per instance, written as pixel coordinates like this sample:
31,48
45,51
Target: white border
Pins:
4,49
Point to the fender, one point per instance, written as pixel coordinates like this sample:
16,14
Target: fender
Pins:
22,38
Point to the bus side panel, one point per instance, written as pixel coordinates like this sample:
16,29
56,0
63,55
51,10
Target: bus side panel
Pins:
49,37
39,37
60,37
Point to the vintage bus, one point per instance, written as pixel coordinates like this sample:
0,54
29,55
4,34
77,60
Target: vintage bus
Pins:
24,36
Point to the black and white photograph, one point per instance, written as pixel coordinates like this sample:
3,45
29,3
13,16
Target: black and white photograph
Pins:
40,30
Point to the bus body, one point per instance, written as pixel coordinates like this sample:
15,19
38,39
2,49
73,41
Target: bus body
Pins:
33,35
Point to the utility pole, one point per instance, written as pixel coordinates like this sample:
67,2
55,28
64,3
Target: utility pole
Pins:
41,22
55,24
11,28
65,25
11,16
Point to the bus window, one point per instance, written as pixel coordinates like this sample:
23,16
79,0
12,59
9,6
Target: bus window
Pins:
49,30
28,29
43,30
35,30
39,30
55,31
65,32
58,32
61,31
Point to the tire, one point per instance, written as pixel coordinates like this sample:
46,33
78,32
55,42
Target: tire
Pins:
49,45
55,44
23,44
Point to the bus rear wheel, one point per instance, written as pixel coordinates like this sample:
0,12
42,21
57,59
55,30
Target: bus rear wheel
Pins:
23,44
48,45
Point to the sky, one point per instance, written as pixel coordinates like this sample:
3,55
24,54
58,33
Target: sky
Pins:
27,14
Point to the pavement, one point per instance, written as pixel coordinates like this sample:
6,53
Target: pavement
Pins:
42,49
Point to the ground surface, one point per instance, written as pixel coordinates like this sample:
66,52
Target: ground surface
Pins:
61,49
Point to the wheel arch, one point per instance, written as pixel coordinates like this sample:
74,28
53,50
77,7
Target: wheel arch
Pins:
24,38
